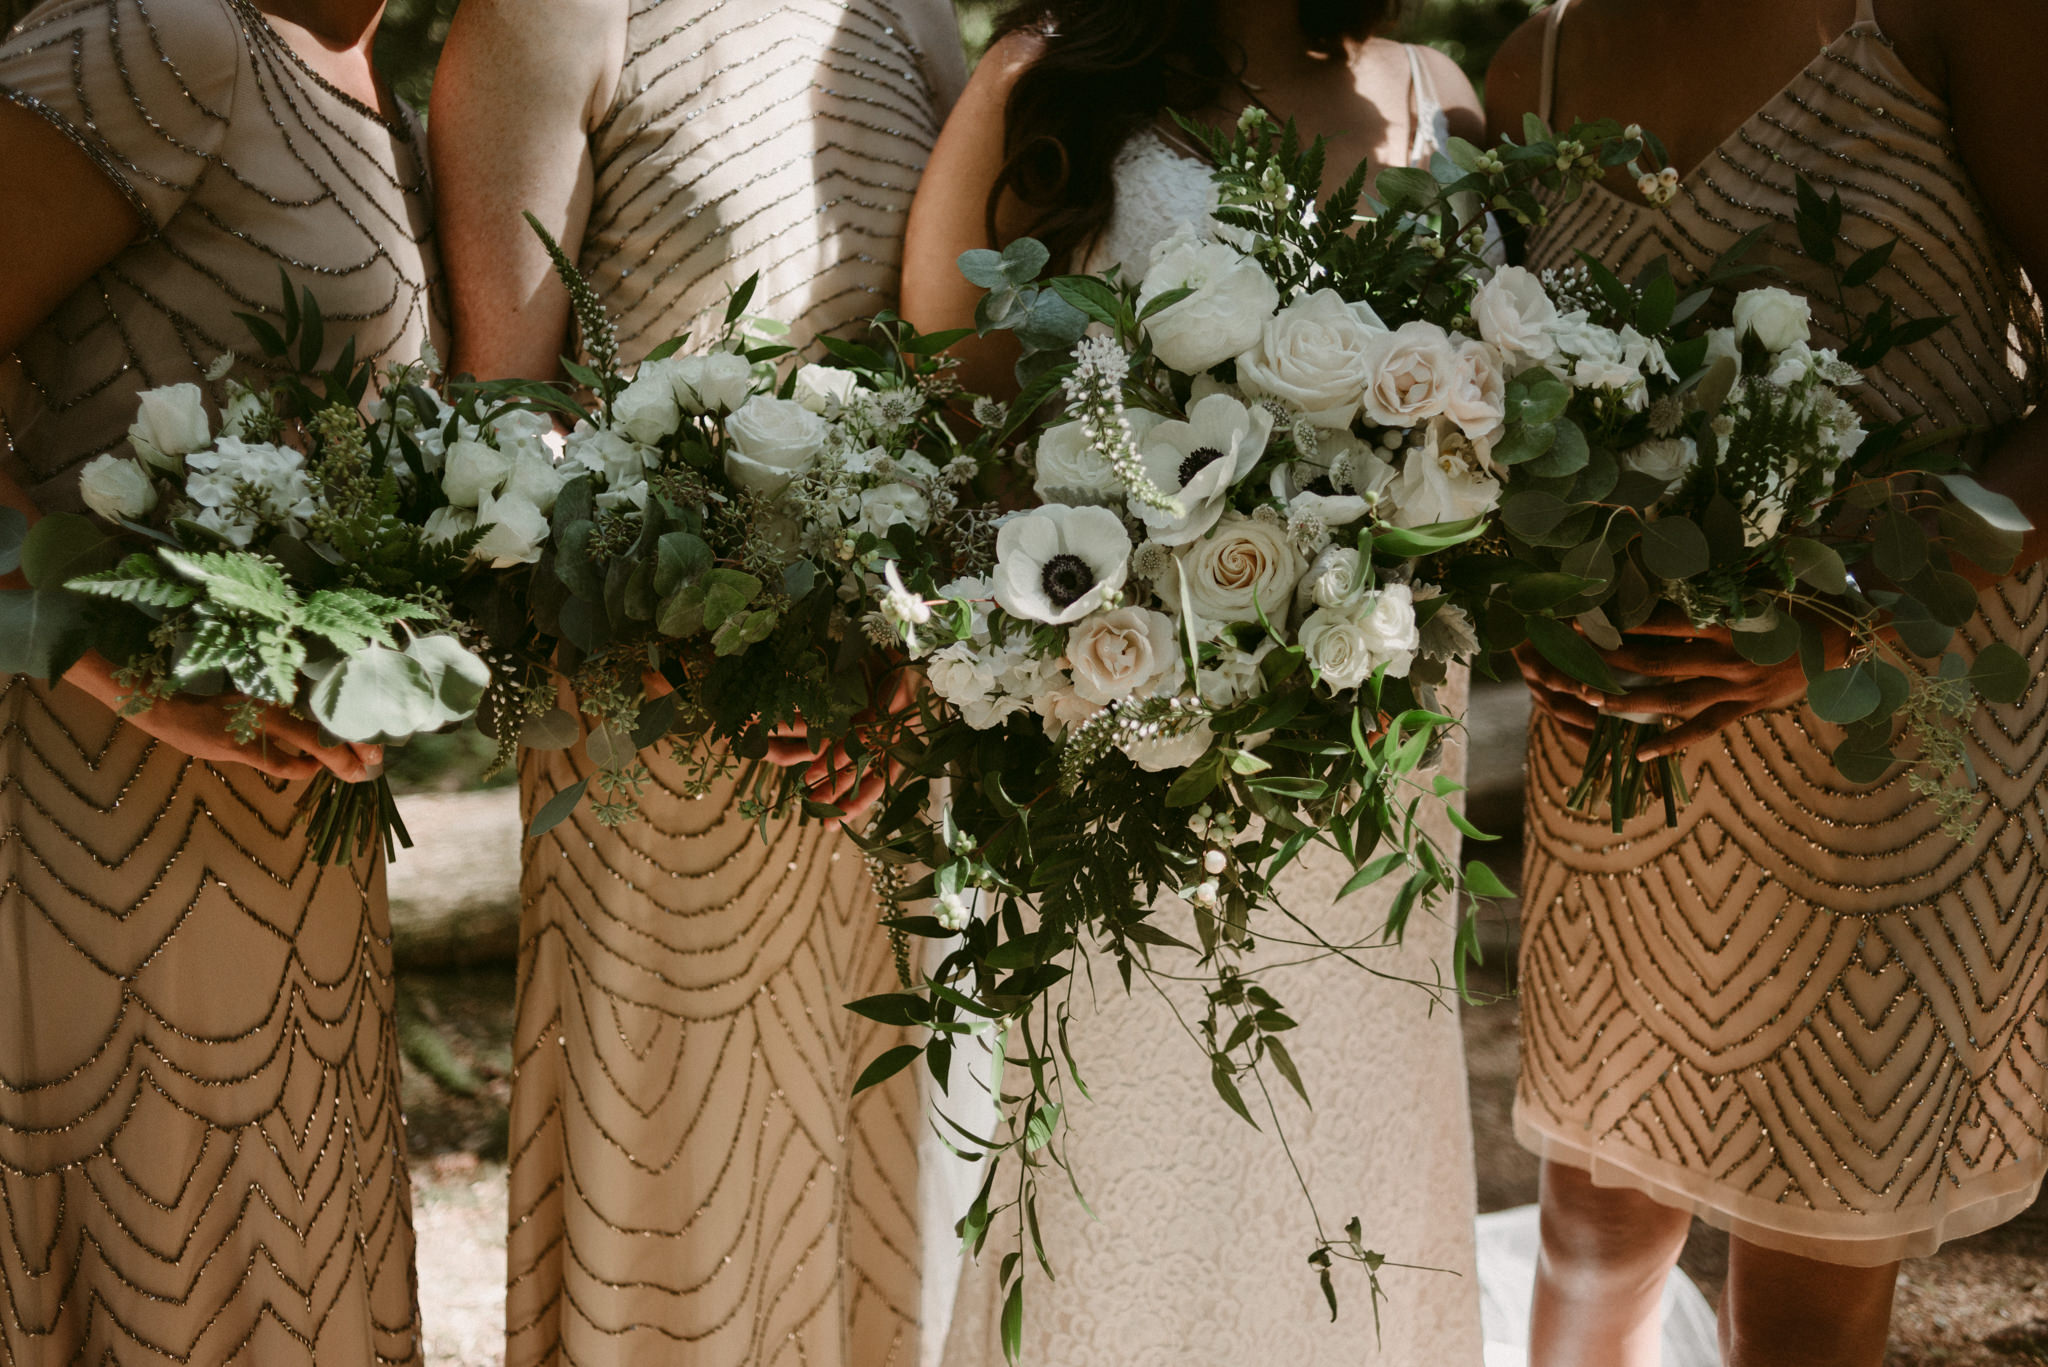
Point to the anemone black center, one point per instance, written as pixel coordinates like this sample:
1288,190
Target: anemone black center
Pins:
1066,578
1198,460
1321,485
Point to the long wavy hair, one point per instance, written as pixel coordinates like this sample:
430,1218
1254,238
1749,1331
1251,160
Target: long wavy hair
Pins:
1109,68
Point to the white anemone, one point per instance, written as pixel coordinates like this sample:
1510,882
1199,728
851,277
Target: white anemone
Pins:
1058,564
1198,462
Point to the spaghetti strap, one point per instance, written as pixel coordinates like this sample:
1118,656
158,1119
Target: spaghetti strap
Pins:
1553,21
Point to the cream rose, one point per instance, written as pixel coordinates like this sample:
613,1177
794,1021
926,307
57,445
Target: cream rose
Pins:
1063,709
1442,480
1312,355
1388,620
1779,318
1346,648
716,383
1246,565
1515,314
170,422
1233,296
116,489
824,389
1663,458
770,442
1478,397
1333,580
1127,653
1409,373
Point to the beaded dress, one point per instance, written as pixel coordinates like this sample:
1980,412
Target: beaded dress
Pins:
693,1182
1806,1014
1195,1249
201,1158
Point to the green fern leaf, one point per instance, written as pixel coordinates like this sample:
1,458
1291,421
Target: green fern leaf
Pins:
138,579
239,581
346,620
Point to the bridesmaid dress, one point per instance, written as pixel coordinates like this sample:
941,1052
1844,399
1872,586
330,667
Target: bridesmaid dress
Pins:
201,1156
692,1180
1805,1013
1195,1251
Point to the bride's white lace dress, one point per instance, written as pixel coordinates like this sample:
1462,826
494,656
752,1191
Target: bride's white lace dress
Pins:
1198,1256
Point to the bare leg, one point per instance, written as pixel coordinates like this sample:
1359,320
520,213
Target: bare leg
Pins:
1781,1310
1600,1280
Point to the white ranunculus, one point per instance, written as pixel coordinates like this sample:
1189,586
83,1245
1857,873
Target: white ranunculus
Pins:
1663,458
170,422
1515,314
1409,373
1063,709
1477,401
116,488
1162,753
517,531
1442,480
1127,653
536,479
608,454
886,505
1245,566
1057,563
1199,461
1333,580
1233,297
824,389
716,383
472,472
1388,620
1069,470
1779,318
770,442
1312,354
959,672
646,410
445,524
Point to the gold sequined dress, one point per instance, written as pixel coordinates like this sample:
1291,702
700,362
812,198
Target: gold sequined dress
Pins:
201,1159
1806,1013
692,1181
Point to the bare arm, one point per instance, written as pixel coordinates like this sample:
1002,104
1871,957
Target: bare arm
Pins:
1514,81
521,83
1454,91
950,216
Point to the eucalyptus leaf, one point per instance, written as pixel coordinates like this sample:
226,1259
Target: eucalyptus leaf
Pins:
43,632
1819,565
1572,653
2000,674
1675,548
377,696
554,729
1843,695
557,809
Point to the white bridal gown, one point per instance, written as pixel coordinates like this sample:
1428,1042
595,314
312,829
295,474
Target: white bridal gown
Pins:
1198,1256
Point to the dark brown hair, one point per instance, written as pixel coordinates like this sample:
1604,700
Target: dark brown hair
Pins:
1108,68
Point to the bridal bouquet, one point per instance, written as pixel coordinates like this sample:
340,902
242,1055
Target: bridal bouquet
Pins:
1724,474
1216,634
283,558
718,550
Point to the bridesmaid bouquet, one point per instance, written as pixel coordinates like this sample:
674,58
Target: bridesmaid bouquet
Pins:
720,549
282,558
1216,632
1723,474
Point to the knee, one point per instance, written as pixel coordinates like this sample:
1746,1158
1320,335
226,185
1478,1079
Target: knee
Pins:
1603,1242
1783,1309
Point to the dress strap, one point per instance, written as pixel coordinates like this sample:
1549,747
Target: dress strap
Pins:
1423,109
1553,21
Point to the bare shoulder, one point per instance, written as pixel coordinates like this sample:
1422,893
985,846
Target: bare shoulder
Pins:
533,46
1454,92
1947,43
1007,59
1514,81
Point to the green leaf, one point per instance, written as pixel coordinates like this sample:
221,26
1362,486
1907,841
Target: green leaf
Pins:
1675,548
344,620
1284,1061
1545,590
1864,268
894,1008
1534,513
1996,509
456,675
1817,564
1482,881
1226,1087
1572,653
681,558
1568,453
557,809
239,581
137,579
13,531
65,546
1863,759
1843,695
1405,187
1413,543
376,696
891,1062
43,632
1772,647
1899,547
2000,674
1013,1322
1091,297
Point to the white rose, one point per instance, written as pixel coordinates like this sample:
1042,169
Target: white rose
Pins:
517,531
473,472
170,422
646,410
710,384
1515,314
1127,653
1333,580
1794,364
1170,752
958,673
883,507
1346,647
1312,354
824,389
1245,566
1664,458
536,479
770,442
606,453
1778,317
1477,399
1388,620
117,489
1442,481
1233,297
445,524
1721,344
1069,470
1409,373
1063,709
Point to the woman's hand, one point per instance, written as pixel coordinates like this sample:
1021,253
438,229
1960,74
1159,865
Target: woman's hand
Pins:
1711,685
285,747
832,776
1557,694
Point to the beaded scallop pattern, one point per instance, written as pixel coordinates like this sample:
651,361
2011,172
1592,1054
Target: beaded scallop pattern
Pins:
693,1180
1805,1012
201,1155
